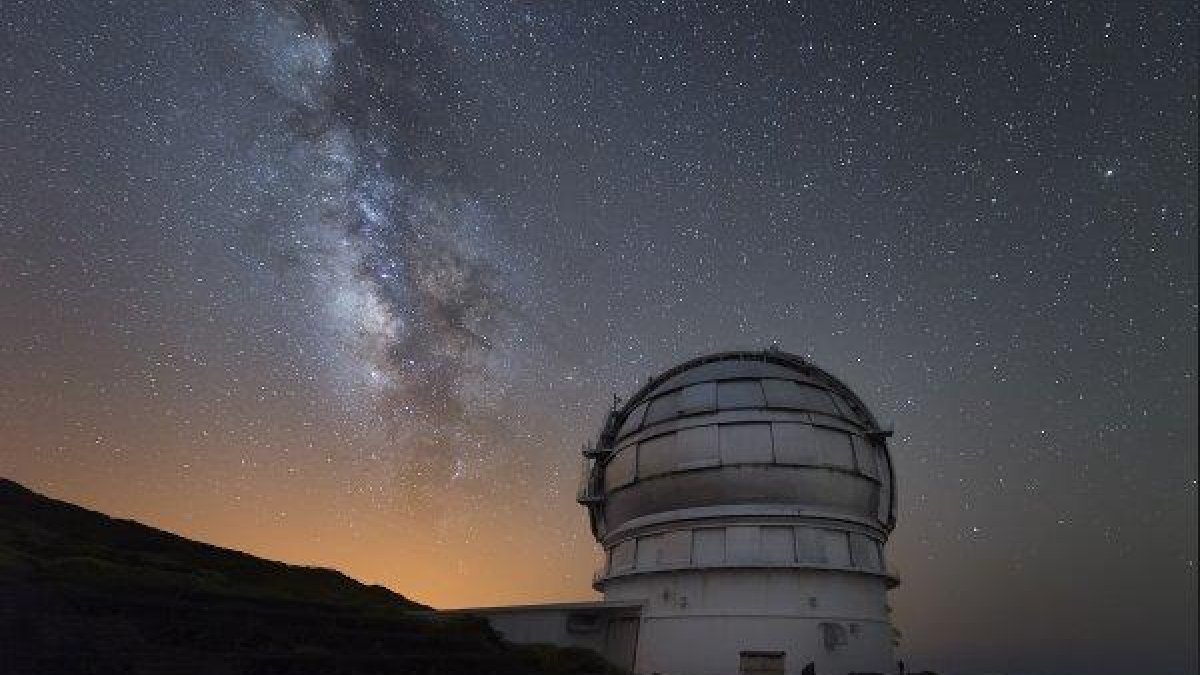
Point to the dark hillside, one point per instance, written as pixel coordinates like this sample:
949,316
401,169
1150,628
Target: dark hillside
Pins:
84,593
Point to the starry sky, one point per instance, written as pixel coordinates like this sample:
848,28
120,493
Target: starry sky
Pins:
349,283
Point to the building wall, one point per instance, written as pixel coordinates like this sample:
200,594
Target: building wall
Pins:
611,631
698,622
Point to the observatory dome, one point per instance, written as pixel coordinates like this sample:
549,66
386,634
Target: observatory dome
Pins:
747,438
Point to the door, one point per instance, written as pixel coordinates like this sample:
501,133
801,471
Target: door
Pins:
762,663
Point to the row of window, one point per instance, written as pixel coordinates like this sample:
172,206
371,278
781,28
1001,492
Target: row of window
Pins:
746,545
792,443
734,394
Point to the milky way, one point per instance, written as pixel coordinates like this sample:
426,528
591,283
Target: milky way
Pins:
416,300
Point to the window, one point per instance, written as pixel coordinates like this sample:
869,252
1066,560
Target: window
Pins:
762,663
834,637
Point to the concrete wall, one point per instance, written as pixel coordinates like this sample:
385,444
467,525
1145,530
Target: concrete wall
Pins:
610,629
698,622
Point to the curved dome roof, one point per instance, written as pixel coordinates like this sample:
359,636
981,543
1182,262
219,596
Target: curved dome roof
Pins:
769,379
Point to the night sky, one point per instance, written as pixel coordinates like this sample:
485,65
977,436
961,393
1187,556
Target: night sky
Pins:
349,283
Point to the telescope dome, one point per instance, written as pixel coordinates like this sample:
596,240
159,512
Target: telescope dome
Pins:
759,435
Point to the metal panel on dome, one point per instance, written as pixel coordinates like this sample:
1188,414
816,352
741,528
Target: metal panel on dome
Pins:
845,408
698,397
835,447
621,468
837,548
697,447
662,408
748,443
690,448
728,369
708,546
741,543
794,444
864,456
622,556
864,552
740,394
810,545
634,421
657,455
778,544
649,550
789,394
885,492
676,547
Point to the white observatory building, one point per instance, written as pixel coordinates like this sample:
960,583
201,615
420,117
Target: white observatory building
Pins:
743,501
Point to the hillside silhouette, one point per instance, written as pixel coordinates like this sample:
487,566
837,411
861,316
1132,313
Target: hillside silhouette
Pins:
83,593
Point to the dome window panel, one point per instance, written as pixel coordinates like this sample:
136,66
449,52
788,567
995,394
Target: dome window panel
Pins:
698,397
649,551
837,548
834,447
657,455
810,545
885,491
742,543
789,394
745,443
620,469
662,408
623,556
697,447
740,394
778,544
708,546
676,548
864,456
881,462
634,421
794,444
863,552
